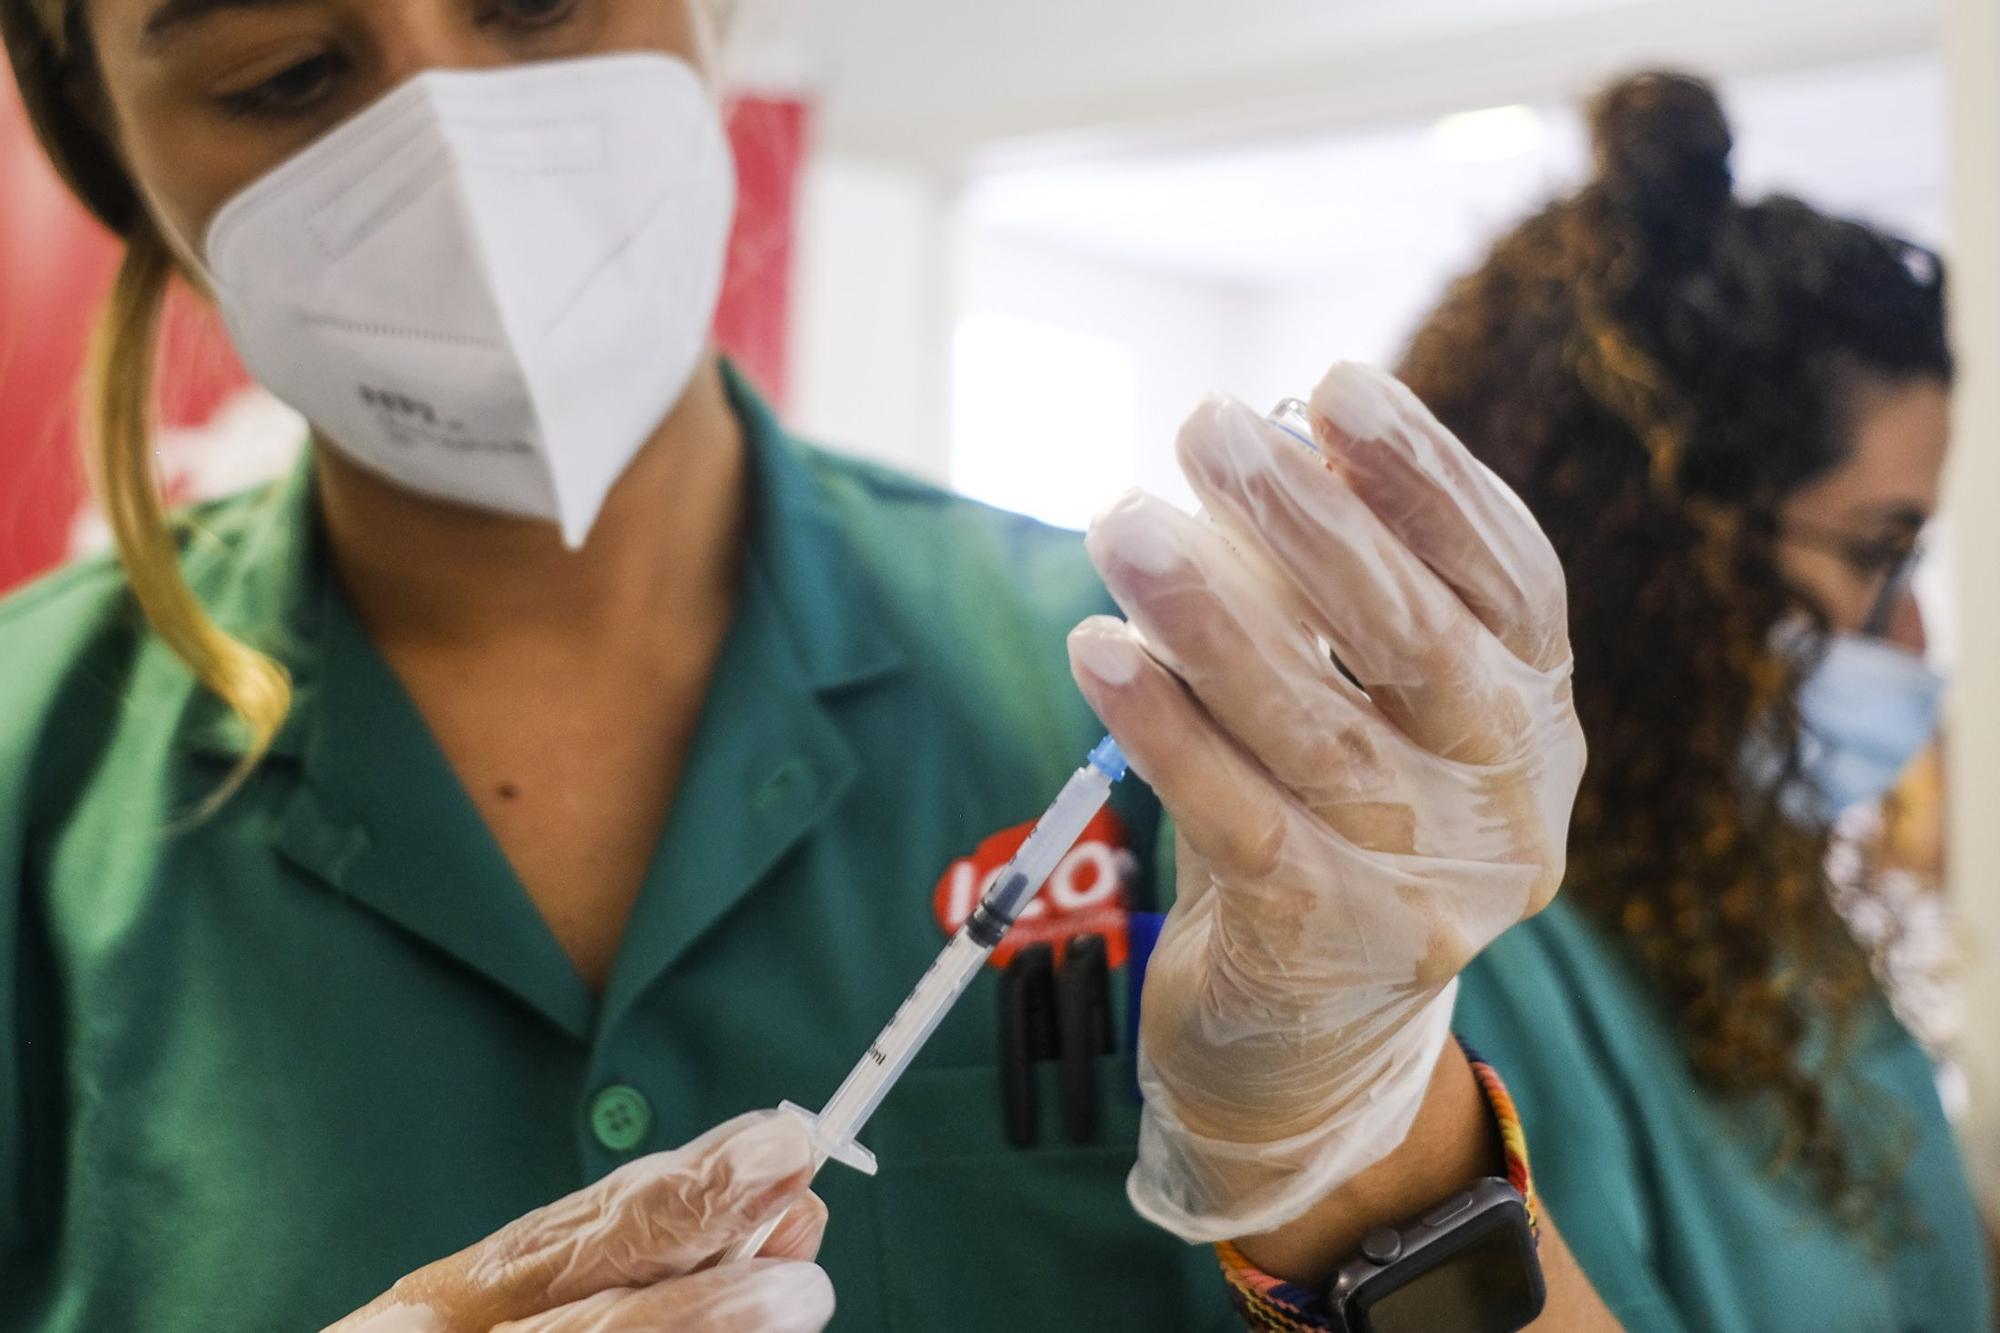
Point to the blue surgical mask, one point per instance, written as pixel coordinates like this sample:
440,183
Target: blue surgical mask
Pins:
1864,714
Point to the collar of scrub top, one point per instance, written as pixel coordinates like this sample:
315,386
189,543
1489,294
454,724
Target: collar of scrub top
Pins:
808,627
272,585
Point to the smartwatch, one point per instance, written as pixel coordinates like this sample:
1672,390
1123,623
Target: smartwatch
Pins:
1468,1265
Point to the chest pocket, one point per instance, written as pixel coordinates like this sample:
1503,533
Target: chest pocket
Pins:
974,1233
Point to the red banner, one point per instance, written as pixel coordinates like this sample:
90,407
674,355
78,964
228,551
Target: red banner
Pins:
56,264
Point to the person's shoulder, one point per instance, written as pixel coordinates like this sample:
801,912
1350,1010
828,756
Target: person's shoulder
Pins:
66,645
1563,1013
930,539
49,623
1551,1005
69,639
912,499
55,624
1556,975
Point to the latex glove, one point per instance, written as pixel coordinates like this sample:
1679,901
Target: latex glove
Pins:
636,1250
1342,854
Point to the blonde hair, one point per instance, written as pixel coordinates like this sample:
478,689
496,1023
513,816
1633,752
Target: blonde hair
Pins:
50,51
118,432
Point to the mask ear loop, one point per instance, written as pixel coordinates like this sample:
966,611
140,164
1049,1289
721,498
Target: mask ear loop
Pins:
1876,626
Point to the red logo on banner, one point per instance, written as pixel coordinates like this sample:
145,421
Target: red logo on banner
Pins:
1087,894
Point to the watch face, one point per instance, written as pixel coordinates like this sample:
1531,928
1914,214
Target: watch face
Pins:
1486,1285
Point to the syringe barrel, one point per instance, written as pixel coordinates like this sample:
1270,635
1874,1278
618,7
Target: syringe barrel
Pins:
953,970
898,1043
1053,836
854,1101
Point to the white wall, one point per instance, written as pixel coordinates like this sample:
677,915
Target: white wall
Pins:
1974,489
1177,330
1251,269
1189,336
871,325
1290,336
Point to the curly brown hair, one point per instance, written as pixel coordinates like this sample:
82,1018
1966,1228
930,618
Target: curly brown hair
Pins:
1654,366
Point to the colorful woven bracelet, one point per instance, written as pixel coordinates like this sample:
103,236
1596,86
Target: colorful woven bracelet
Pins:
1269,1303
1513,1139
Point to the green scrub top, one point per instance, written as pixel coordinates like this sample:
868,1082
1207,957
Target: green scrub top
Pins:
254,1068
257,1067
1665,1193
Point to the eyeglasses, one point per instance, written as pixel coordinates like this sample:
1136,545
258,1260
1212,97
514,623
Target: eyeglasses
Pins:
1891,559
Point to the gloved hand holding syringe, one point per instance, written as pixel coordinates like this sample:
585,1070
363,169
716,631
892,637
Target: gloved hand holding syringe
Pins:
835,1129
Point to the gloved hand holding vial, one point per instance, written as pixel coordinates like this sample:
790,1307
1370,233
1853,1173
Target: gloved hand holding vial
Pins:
1349,682
1353,826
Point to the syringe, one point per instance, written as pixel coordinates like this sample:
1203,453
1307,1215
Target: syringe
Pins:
1055,833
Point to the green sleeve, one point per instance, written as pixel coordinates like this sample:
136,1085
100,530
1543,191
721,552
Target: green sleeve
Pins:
16,1040
30,1063
1515,1007
65,644
13,1148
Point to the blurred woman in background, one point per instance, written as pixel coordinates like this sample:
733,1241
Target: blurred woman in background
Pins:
1730,418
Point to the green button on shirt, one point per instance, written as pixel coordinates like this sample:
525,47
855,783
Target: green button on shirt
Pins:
255,1068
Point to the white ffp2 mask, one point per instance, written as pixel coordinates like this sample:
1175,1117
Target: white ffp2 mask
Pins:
491,286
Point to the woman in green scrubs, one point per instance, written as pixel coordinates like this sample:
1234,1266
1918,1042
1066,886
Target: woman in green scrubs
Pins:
561,762
1731,418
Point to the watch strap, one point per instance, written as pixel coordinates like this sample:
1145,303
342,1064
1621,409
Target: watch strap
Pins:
1513,1139
1270,1303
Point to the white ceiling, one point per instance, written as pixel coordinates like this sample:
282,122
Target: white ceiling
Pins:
1864,138
891,65
940,83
